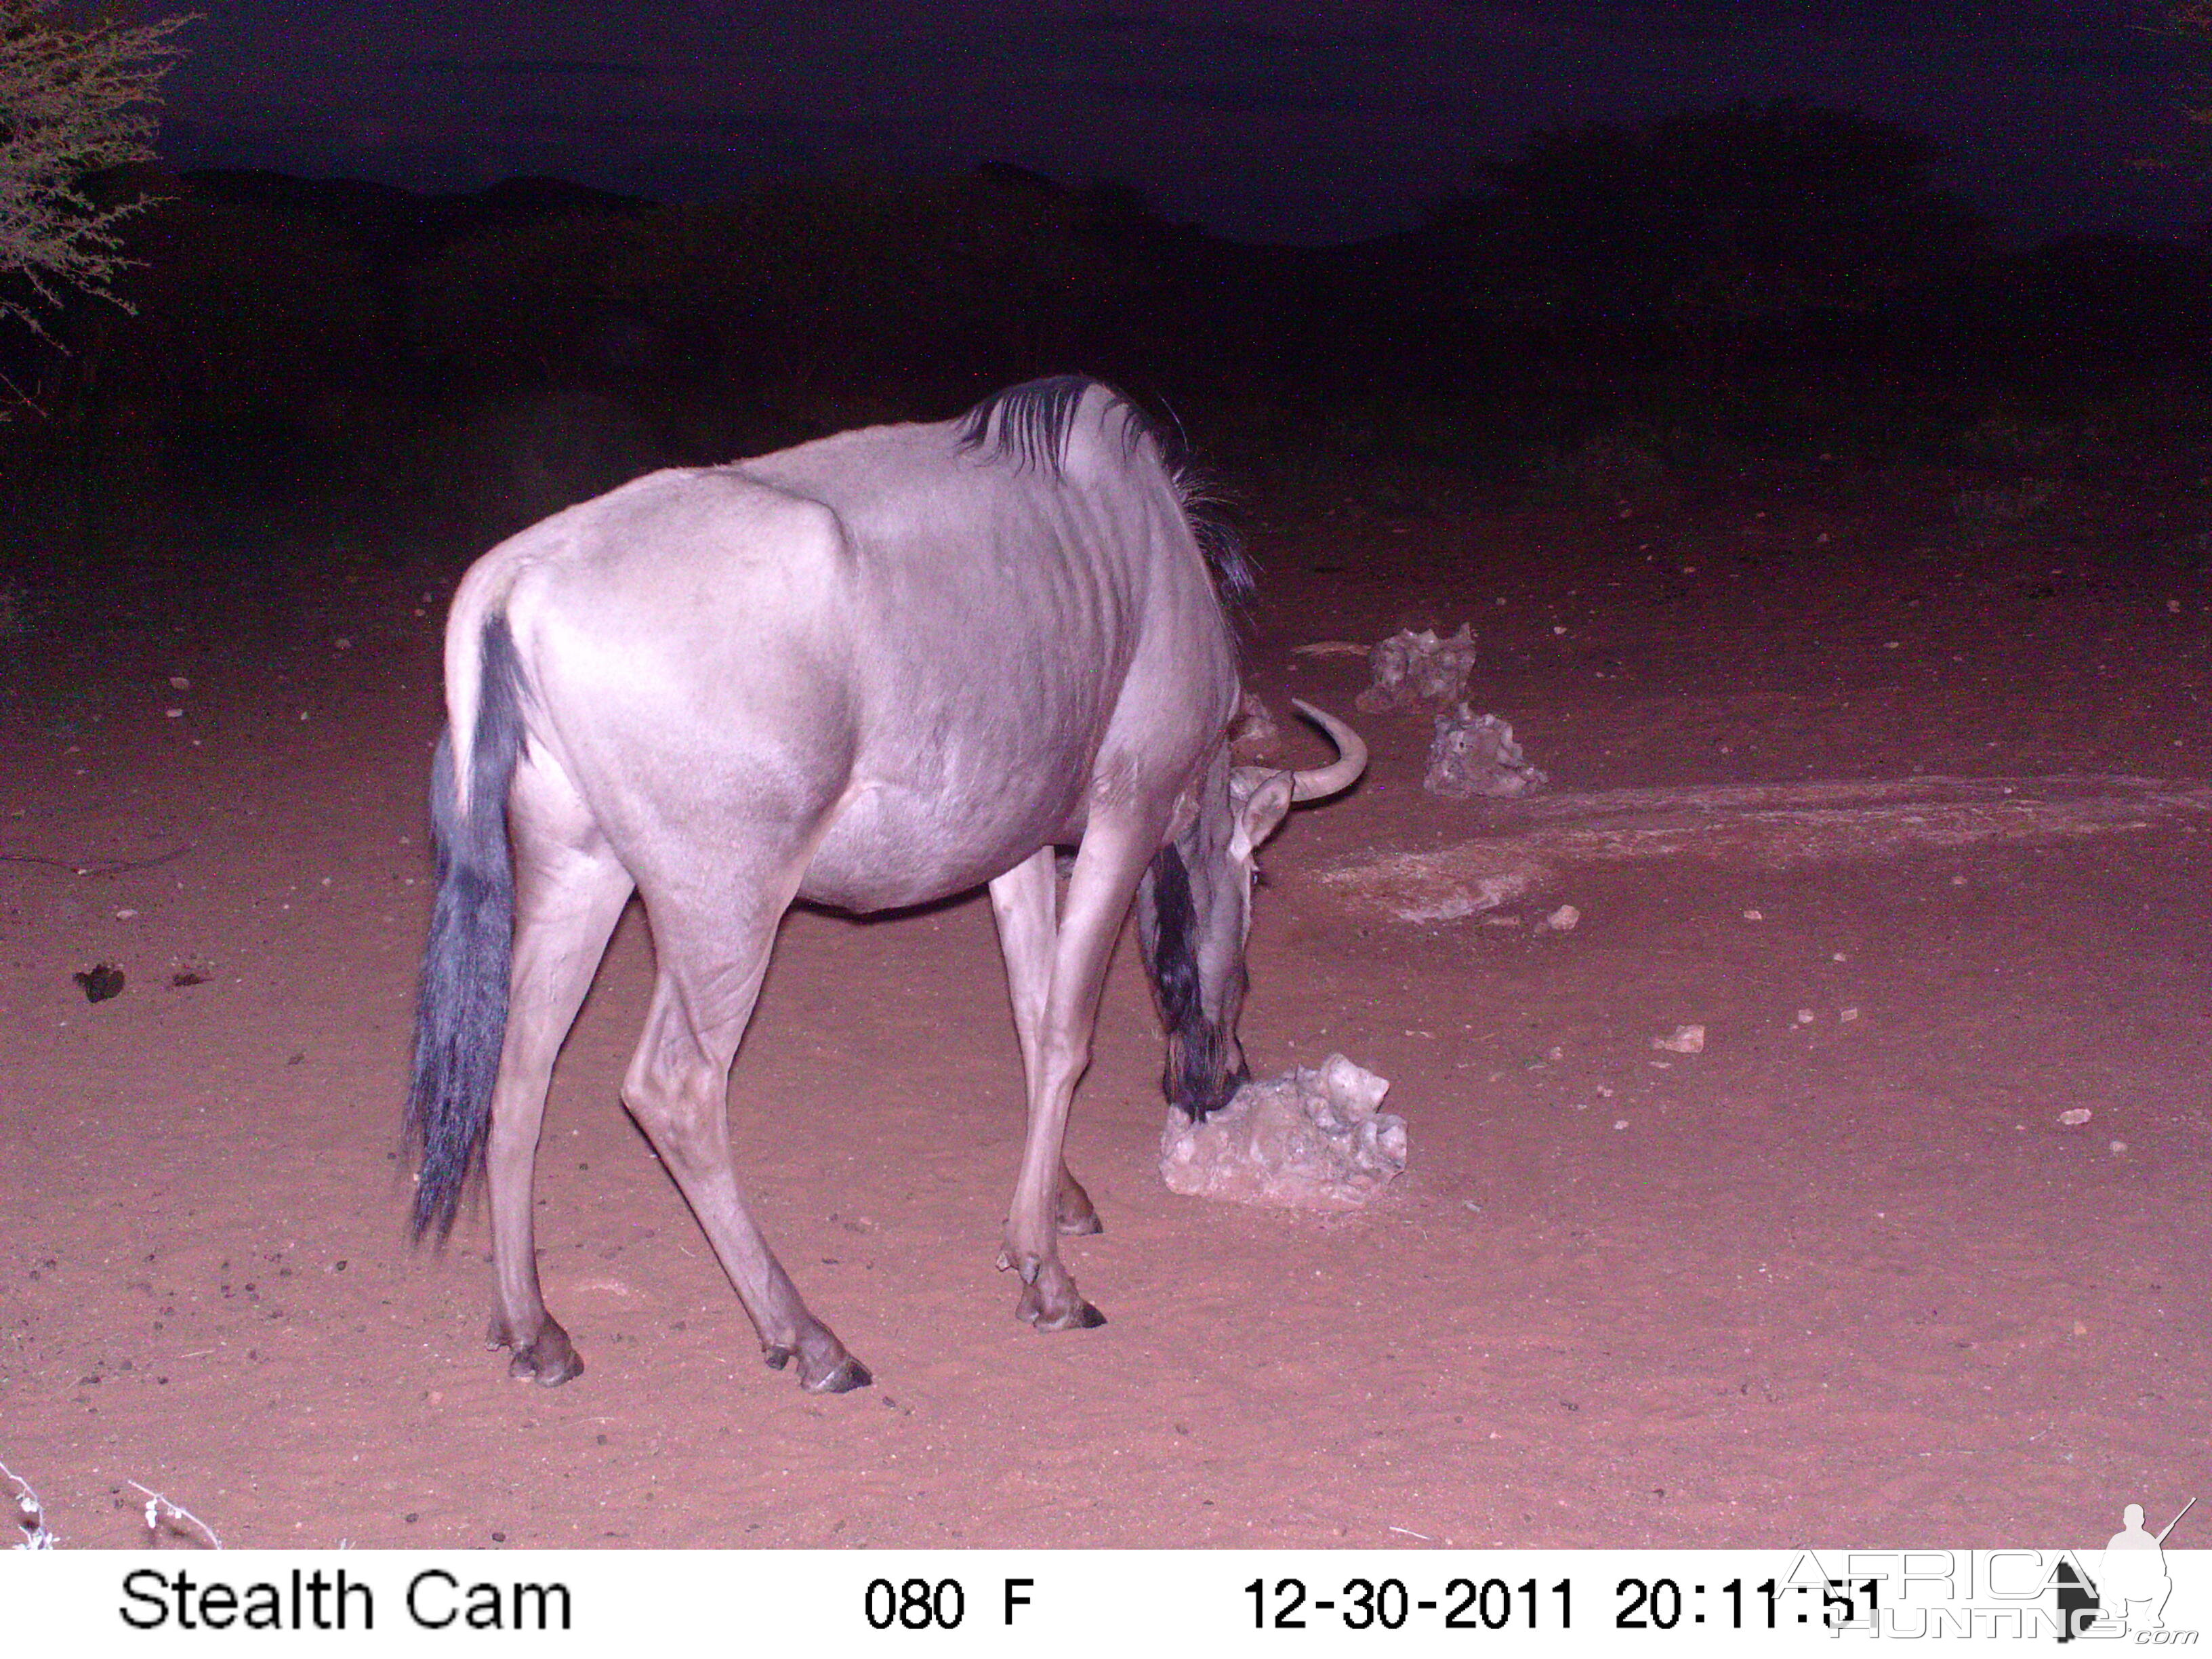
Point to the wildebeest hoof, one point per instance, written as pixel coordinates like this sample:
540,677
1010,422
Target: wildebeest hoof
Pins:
827,1370
546,1371
1051,1303
1080,1317
549,1359
847,1375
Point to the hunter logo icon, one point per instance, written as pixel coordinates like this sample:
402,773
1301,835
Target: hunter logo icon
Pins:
2131,1585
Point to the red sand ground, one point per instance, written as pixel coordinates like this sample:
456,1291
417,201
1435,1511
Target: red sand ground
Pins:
1819,1284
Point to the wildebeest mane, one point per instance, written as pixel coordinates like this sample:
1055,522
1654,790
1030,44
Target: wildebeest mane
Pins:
1028,424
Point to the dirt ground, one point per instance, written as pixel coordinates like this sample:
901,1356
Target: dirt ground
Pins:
1826,1283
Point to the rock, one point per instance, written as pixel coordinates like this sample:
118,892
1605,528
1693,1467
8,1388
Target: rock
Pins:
1254,735
1304,1139
1683,1040
1561,921
1475,755
99,982
1416,668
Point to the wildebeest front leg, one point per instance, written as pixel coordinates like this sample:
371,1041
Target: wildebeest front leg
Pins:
570,891
1026,901
1106,869
677,1090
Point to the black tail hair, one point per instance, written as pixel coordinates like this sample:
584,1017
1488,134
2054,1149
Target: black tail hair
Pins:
460,1016
1199,1080
1031,425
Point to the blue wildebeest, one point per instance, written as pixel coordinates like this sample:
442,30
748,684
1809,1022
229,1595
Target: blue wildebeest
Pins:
867,673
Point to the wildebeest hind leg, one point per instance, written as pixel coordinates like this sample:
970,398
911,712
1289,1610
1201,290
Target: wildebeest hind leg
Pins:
1026,901
677,1088
570,891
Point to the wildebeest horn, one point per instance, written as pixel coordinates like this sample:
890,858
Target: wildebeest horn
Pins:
1339,773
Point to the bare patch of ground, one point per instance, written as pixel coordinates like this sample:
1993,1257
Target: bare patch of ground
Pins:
1827,1280
1532,845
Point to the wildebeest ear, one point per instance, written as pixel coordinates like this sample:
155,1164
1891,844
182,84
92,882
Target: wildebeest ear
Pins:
1259,799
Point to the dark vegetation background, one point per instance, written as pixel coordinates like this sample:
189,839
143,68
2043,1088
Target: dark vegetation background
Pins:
1615,309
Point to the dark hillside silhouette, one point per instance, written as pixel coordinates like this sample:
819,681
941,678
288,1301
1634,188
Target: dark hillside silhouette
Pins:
1676,290
1712,231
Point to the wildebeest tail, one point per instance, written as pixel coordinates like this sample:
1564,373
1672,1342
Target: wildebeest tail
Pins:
460,1015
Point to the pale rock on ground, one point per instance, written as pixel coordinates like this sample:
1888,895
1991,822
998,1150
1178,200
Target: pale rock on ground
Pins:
1303,1140
1475,755
1253,734
1418,668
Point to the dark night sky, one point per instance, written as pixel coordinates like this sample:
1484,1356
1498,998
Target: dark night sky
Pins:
1281,121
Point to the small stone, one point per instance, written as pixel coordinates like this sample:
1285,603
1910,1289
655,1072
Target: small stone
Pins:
99,982
178,683
1806,1016
1754,915
2075,1117
1682,1040
1848,1015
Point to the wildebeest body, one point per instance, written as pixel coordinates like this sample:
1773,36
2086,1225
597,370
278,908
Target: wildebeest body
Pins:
870,671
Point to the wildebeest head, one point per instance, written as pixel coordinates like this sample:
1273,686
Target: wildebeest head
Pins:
1194,912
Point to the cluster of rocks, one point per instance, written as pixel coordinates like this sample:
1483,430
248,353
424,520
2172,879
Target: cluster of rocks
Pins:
1307,1139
